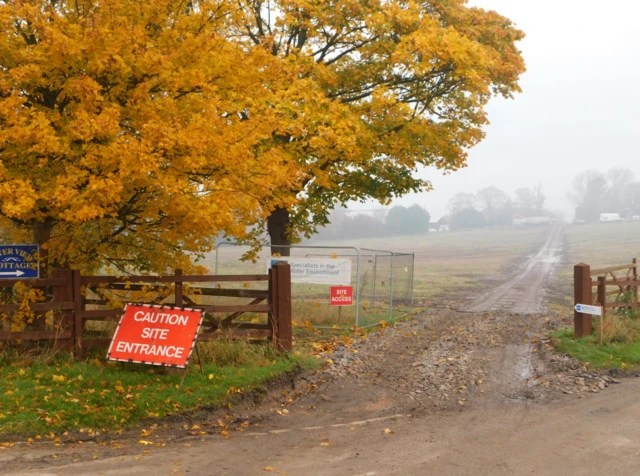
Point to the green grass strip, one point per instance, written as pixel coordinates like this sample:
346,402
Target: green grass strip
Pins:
606,356
54,397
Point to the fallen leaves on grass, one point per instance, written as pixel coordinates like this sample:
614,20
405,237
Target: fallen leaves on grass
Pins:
87,396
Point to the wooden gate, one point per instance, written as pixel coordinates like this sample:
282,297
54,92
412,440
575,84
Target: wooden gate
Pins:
624,281
78,302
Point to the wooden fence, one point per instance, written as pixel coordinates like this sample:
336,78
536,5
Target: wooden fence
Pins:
619,281
77,300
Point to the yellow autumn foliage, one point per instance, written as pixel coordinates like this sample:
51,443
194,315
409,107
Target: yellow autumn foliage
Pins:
389,86
131,133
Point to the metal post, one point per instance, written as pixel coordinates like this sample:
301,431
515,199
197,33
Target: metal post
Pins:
357,288
413,270
391,290
373,288
217,251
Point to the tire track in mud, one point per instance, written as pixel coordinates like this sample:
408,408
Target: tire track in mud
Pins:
525,291
515,364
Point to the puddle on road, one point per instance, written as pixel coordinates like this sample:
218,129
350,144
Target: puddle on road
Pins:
524,367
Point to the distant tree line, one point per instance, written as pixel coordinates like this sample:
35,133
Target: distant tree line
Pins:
398,220
616,191
490,207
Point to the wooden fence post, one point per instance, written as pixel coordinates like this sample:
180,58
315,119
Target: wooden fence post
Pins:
280,299
64,294
273,302
582,323
602,300
178,289
77,313
635,279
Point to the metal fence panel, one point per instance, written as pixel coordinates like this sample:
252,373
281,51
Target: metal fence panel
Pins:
382,282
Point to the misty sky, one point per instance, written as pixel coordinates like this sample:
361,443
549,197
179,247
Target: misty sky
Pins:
580,106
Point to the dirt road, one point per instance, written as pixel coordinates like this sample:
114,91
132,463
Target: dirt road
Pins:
592,436
524,292
447,394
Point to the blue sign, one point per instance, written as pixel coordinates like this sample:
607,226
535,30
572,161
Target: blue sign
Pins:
276,261
19,261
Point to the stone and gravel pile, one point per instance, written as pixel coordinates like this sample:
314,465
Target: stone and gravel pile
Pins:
445,358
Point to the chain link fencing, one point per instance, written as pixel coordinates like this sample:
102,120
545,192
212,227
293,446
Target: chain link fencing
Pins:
382,282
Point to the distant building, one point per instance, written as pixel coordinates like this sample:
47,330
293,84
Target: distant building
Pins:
440,225
519,220
610,217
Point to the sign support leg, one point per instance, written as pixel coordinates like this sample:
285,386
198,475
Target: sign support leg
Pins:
184,375
199,360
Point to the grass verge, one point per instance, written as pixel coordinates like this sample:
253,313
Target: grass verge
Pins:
618,355
62,395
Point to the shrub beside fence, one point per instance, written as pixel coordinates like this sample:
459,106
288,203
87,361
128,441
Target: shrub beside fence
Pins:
80,312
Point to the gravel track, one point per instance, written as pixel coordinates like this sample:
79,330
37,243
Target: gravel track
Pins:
524,292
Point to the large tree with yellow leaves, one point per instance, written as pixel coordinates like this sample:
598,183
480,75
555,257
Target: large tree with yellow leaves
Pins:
132,132
391,85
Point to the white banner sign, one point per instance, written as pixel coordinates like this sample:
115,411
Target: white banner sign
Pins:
586,309
318,270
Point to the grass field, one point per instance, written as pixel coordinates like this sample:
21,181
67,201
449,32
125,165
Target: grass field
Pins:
448,266
596,244
458,264
601,244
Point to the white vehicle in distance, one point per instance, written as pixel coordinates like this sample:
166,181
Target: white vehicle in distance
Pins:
610,217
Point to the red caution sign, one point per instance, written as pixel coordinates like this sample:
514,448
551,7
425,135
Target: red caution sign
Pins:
156,335
341,295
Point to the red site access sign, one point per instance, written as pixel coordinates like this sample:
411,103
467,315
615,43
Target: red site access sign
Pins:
341,295
156,335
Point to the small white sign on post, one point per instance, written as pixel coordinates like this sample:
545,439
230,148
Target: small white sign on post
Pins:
318,270
591,310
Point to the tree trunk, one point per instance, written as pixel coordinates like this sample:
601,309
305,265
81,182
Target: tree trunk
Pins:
41,237
277,227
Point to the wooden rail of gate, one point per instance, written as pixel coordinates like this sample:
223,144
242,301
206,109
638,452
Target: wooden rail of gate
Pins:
586,279
59,290
71,297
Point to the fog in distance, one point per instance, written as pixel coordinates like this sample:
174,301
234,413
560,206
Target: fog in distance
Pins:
578,110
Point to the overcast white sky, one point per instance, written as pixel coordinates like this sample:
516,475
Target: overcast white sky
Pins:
580,106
